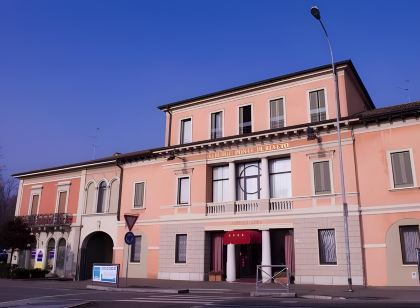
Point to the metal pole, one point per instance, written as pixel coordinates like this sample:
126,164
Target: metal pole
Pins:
126,266
340,158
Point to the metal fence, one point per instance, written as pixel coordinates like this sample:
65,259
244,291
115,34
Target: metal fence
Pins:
272,278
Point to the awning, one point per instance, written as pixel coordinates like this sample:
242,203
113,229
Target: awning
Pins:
242,237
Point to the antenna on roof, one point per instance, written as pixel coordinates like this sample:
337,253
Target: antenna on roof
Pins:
94,145
407,89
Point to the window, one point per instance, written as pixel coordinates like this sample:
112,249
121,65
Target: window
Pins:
136,249
62,198
220,183
186,134
276,113
248,182
409,237
327,252
183,190
402,174
181,248
322,179
35,204
280,178
138,195
100,206
317,105
245,121
216,125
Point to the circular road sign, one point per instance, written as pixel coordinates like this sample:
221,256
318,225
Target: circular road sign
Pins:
129,238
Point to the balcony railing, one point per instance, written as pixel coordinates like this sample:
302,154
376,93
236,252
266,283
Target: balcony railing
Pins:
48,220
249,207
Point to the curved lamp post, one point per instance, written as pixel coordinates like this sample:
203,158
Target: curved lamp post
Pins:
317,15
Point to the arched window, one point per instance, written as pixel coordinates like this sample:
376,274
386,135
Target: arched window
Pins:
100,207
90,197
113,199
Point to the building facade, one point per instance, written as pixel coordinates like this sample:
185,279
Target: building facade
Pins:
247,176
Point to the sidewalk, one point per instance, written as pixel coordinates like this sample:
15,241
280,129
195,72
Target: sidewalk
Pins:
305,291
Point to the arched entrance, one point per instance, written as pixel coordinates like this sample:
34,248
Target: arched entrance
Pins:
96,248
61,256
50,255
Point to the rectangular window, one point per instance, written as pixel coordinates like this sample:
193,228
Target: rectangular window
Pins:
280,178
62,198
186,133
35,205
138,195
245,119
409,237
276,113
401,169
181,248
183,190
322,179
216,125
248,181
317,105
327,249
136,249
220,183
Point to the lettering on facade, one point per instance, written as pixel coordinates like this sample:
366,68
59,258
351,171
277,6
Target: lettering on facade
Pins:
249,150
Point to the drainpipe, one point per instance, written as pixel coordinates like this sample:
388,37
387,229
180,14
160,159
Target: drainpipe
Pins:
120,189
170,127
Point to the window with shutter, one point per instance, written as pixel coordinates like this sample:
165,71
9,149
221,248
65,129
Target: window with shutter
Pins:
35,205
276,113
181,248
409,237
318,110
62,198
186,133
216,125
327,246
322,179
136,249
138,195
183,190
401,169
220,183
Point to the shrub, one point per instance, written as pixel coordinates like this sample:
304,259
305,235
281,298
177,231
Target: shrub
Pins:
4,270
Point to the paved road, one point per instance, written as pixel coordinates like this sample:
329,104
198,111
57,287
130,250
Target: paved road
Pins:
53,294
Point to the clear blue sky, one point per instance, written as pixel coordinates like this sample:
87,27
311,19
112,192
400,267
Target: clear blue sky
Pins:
69,67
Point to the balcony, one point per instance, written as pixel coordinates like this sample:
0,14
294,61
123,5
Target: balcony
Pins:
48,220
249,207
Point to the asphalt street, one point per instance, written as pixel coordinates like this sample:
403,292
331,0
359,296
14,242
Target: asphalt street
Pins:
54,294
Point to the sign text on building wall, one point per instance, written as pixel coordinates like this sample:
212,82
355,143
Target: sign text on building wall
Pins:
249,150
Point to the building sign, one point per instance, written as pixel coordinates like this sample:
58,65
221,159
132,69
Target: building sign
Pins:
249,150
39,258
105,273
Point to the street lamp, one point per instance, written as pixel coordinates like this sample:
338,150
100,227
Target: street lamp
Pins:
317,15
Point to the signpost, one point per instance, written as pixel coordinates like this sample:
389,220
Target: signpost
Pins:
107,273
129,239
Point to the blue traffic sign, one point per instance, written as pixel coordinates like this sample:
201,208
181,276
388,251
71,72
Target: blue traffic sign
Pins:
129,238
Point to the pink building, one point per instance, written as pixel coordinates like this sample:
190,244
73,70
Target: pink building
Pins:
247,176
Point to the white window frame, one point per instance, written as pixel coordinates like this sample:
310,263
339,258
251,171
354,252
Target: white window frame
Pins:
180,129
177,190
390,172
308,103
284,110
269,175
106,196
313,176
37,191
223,122
252,117
62,187
336,246
134,195
131,247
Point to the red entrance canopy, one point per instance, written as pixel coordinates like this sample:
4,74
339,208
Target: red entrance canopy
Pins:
242,237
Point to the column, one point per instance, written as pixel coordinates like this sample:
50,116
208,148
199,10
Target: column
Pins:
230,263
232,182
265,179
266,256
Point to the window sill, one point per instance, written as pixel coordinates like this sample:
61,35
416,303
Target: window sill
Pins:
138,208
409,265
134,263
182,205
404,188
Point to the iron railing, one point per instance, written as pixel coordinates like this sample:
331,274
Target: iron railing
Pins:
48,220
